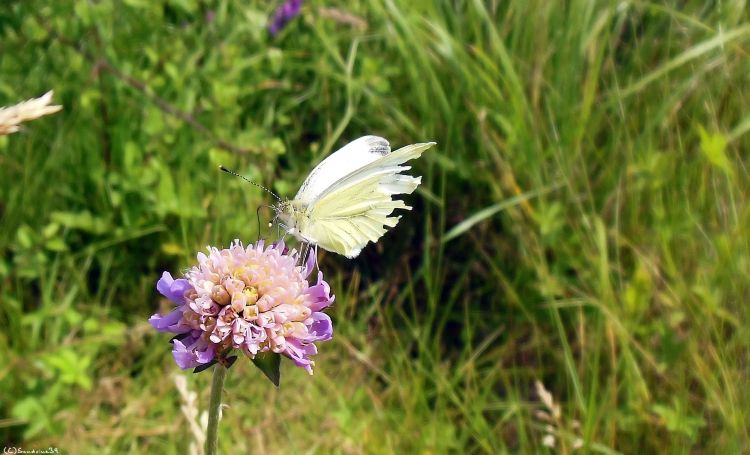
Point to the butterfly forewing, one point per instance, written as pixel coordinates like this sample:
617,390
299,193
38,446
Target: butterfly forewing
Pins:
340,164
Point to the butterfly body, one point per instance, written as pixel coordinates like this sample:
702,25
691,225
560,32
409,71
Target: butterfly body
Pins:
347,200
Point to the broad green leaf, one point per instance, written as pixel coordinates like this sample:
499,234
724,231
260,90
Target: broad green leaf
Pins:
50,230
153,123
57,245
714,148
82,221
677,420
269,363
25,237
30,409
172,249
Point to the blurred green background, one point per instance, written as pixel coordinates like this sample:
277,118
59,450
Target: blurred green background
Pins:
583,222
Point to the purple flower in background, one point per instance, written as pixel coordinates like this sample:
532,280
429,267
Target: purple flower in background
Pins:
283,14
255,299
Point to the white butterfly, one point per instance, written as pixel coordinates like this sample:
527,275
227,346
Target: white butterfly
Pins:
347,200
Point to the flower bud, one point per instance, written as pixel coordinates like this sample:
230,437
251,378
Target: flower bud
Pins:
220,295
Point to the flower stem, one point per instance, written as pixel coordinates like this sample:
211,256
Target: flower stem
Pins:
214,405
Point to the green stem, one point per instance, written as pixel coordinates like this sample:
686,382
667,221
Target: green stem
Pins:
212,433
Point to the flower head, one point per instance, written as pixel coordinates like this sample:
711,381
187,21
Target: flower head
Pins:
283,14
255,298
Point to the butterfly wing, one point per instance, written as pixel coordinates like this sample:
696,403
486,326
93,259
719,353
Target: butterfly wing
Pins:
357,208
339,164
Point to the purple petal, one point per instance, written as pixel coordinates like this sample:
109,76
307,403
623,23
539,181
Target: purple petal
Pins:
173,289
183,357
283,14
320,294
207,353
164,284
299,352
169,322
279,244
322,327
197,352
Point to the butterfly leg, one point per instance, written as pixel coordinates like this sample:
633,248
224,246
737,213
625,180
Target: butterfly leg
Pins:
257,216
304,251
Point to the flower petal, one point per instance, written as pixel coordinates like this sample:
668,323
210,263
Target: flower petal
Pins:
183,357
320,294
299,353
173,289
322,327
170,322
194,352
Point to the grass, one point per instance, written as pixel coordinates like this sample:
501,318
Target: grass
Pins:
582,222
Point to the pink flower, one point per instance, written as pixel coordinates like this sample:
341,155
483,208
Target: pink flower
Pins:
255,299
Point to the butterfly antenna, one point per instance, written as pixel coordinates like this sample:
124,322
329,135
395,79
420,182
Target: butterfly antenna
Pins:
229,171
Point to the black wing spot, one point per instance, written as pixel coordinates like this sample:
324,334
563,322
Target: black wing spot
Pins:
381,150
379,145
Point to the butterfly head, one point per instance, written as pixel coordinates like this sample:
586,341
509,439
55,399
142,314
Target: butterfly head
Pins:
285,216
